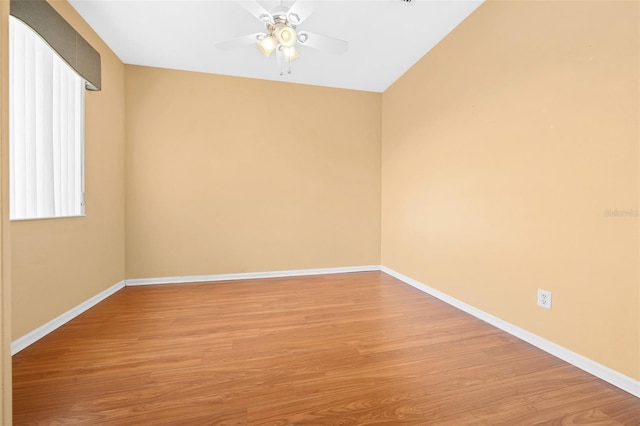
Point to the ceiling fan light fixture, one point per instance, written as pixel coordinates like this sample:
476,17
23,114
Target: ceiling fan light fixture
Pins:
267,45
290,53
280,33
286,36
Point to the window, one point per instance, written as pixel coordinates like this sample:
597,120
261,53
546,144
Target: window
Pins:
46,109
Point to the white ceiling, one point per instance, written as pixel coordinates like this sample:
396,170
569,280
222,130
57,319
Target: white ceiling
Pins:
386,37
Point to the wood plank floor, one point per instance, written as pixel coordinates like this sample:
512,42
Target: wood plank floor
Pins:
348,349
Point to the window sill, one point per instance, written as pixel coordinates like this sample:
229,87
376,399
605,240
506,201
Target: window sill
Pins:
47,218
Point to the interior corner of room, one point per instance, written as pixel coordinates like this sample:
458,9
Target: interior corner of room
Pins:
494,167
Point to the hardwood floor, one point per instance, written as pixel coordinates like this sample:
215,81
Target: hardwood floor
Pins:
349,349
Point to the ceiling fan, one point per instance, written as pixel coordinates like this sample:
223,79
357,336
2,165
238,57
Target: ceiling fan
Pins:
281,34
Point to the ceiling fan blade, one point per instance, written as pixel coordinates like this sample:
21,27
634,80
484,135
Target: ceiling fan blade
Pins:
323,42
247,40
301,10
256,9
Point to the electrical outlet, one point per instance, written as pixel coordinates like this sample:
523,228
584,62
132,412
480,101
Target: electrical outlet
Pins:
544,298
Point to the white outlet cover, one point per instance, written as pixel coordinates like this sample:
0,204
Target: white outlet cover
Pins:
544,298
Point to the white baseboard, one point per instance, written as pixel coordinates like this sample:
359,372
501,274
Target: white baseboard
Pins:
620,380
37,334
249,275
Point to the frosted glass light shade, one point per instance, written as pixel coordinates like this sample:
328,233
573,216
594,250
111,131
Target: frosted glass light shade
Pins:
290,53
286,36
267,45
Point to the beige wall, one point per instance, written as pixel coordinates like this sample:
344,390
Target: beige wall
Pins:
503,148
228,174
58,264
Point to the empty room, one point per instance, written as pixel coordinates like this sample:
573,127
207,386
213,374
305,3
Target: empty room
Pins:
400,212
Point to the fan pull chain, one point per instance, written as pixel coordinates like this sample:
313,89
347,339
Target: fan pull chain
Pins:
280,61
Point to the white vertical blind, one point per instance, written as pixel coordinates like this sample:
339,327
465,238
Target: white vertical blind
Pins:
46,108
